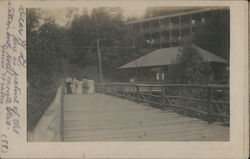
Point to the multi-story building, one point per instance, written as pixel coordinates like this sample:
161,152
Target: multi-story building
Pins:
170,30
166,34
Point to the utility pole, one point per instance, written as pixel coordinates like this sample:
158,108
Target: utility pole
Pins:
99,60
136,64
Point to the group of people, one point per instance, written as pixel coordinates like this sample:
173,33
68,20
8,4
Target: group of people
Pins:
79,86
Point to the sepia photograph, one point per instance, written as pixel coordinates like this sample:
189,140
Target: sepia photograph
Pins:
124,79
117,74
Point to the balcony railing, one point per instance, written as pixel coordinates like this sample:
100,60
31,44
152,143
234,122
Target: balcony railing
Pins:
170,27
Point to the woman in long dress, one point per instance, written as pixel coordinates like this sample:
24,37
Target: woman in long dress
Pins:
91,86
79,87
73,86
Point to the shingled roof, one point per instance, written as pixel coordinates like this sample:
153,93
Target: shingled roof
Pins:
167,56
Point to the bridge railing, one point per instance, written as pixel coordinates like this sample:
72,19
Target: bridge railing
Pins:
207,102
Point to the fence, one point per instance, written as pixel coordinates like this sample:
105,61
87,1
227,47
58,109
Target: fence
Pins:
207,102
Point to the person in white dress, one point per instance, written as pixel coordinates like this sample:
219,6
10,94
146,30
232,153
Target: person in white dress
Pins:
91,86
73,86
79,87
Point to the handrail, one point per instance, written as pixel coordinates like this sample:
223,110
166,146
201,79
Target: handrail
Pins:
187,99
167,85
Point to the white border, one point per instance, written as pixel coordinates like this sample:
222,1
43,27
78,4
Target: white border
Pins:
236,148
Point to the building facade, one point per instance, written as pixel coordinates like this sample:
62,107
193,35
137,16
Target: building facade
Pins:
154,66
170,30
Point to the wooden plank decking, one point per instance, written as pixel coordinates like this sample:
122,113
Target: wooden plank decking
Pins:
101,117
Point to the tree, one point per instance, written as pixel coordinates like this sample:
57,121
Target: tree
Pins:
55,51
47,50
190,68
108,25
214,36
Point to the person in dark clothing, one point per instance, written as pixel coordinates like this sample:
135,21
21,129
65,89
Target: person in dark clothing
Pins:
68,82
85,84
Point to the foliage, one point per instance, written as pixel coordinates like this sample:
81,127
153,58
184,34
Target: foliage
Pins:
214,36
190,68
115,41
55,52
46,51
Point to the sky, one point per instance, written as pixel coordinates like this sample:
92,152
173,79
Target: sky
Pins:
61,17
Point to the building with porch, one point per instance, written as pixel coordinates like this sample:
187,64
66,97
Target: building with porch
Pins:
171,29
153,67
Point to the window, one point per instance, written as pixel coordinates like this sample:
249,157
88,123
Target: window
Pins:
203,20
171,25
157,76
193,22
162,76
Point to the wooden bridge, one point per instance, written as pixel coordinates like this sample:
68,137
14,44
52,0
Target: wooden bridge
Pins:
108,116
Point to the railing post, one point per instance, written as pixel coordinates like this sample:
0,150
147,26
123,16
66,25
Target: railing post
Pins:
112,89
61,113
137,93
163,92
123,91
209,109
103,88
150,88
97,88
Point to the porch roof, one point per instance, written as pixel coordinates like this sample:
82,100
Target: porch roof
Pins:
167,56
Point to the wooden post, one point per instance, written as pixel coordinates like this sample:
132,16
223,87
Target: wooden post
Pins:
137,93
209,108
170,36
180,31
107,89
136,64
190,21
103,89
163,92
111,89
160,31
99,60
150,33
123,92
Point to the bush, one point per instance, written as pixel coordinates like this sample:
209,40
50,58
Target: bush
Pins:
190,68
45,57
